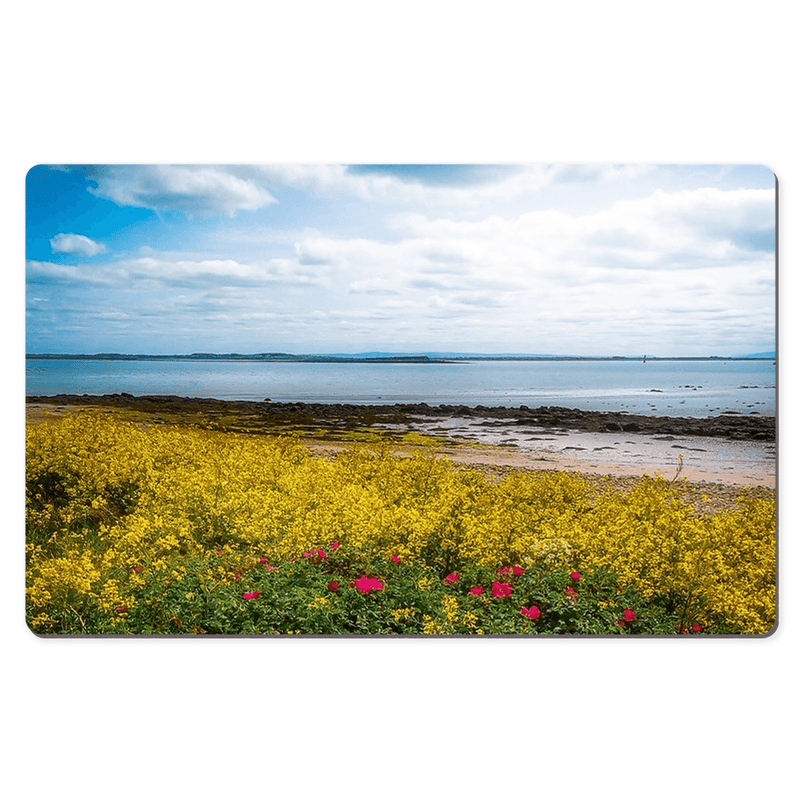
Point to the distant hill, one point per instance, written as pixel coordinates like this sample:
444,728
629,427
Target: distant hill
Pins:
380,357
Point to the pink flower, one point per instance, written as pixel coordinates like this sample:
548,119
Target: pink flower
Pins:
307,554
576,576
122,609
321,553
333,586
269,567
629,615
366,585
502,570
697,628
517,570
238,575
250,595
570,593
476,590
334,545
262,560
219,552
452,577
501,589
396,559
137,569
532,612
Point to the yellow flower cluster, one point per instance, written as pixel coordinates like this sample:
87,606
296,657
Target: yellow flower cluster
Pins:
108,501
431,628
450,608
721,565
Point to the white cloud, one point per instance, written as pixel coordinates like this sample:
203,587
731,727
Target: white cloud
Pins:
503,183
195,190
373,286
47,272
203,190
75,244
666,262
164,269
391,189
161,270
703,227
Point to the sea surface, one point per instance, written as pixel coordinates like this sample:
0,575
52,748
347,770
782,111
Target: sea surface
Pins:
667,388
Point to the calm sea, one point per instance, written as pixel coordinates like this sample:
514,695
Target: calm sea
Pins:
669,388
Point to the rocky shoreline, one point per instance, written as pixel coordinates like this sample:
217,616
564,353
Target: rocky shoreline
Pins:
268,415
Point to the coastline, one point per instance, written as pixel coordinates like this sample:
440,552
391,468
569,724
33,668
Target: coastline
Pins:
730,424
727,450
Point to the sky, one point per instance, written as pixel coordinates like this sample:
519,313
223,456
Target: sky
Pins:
564,259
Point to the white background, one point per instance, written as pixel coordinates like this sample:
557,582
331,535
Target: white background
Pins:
415,82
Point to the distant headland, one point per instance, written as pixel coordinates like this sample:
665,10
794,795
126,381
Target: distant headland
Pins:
382,358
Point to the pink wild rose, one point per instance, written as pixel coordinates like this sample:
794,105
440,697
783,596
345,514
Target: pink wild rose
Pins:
396,559
501,589
333,586
250,595
532,612
452,577
334,545
576,576
629,615
503,570
366,585
476,590
517,570
570,593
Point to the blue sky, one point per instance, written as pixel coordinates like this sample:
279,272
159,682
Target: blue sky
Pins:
323,258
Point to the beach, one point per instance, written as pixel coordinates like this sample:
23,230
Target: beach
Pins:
721,454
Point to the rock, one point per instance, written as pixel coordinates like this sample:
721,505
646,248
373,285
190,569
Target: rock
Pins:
732,425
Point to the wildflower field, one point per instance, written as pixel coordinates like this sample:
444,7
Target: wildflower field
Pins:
179,530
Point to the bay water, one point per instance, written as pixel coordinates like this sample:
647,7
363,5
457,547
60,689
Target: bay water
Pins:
696,388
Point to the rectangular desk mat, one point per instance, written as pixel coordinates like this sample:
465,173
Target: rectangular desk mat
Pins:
401,400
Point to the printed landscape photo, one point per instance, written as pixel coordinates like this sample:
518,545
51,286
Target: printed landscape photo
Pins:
401,400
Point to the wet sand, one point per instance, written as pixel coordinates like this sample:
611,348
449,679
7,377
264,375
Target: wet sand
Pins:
696,458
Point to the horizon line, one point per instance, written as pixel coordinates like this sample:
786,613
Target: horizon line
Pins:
370,355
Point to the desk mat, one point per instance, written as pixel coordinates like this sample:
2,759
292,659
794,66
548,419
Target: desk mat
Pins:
401,400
